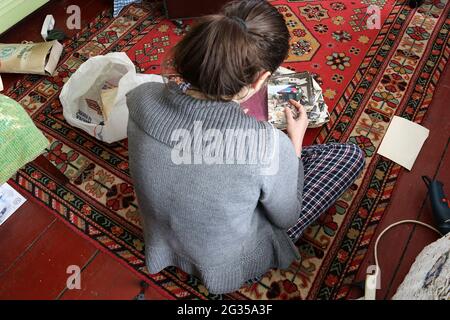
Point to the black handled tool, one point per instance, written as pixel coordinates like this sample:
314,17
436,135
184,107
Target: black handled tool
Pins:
439,203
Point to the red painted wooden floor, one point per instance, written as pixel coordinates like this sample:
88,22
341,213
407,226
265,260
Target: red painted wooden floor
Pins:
36,247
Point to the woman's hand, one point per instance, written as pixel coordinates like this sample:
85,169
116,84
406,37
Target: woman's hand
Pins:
296,128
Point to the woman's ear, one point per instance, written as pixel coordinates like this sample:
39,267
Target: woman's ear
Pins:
261,80
253,88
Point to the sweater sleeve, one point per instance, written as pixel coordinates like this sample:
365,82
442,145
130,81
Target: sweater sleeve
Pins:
282,184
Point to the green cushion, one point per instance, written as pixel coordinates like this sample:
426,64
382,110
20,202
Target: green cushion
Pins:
20,140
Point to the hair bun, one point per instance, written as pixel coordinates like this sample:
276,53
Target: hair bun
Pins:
219,60
240,21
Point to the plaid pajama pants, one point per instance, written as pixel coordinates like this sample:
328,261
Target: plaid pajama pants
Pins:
329,169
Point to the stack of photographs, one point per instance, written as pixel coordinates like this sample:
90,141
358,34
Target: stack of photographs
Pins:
285,85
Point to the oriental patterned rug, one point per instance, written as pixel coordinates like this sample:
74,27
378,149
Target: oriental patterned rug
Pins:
373,58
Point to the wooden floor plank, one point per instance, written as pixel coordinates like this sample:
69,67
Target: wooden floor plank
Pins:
409,197
41,272
421,237
106,279
20,231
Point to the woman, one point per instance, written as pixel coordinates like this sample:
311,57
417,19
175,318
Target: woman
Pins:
228,212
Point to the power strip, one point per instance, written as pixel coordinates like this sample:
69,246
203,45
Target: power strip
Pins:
372,280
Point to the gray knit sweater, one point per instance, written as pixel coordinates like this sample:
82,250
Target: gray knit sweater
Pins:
219,215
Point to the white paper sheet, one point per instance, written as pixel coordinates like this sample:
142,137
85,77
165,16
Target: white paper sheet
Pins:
10,201
403,141
53,58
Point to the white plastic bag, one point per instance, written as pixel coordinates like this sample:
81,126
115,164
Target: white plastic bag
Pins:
81,96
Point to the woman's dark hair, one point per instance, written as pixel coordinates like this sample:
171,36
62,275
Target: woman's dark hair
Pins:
225,52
